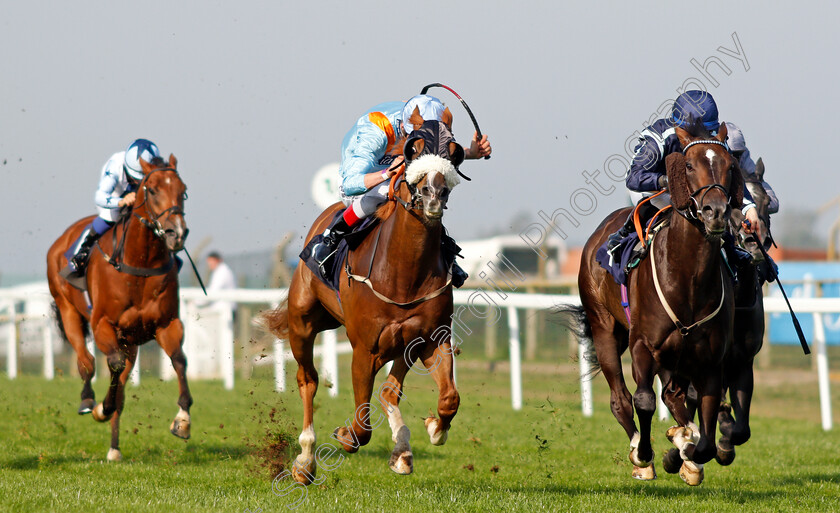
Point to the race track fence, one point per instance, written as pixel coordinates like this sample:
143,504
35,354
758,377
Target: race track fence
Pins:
30,303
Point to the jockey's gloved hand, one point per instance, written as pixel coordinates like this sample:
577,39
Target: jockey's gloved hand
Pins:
663,182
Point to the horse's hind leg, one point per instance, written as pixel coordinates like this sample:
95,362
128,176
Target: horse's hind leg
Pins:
170,338
114,453
74,330
439,360
106,341
644,401
390,393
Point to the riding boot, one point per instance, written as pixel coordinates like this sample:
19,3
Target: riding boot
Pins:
79,261
614,241
451,250
738,258
768,271
332,236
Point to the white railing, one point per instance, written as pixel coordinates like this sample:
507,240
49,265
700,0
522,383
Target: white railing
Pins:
478,303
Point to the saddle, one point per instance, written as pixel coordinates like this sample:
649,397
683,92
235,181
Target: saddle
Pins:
333,265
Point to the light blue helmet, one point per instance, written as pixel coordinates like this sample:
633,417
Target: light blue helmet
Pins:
141,148
431,109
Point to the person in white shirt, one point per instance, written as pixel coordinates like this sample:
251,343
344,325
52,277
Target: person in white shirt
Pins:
221,278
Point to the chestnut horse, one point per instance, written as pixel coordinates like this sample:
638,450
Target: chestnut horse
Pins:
748,334
132,281
401,312
681,307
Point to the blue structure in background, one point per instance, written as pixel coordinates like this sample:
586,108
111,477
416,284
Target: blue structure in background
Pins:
780,328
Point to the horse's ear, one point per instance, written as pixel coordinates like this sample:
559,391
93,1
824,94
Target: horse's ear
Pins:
446,118
721,136
144,166
683,136
736,187
759,169
416,119
413,147
456,154
677,182
173,162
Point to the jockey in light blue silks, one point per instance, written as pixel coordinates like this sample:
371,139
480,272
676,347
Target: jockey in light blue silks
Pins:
367,165
647,174
117,185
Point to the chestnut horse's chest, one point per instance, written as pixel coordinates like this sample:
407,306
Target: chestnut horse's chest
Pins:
142,307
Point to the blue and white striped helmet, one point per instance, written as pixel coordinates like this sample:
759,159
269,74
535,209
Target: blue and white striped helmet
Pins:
141,148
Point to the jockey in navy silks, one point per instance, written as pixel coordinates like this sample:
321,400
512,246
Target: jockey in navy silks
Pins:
117,185
367,166
647,173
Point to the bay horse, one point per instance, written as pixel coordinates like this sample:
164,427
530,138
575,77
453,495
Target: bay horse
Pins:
681,307
132,286
400,312
748,334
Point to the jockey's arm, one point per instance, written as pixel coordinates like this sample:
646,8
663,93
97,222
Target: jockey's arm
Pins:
478,148
642,175
361,158
104,196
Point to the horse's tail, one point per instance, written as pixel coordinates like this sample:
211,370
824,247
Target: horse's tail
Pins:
60,323
574,318
276,321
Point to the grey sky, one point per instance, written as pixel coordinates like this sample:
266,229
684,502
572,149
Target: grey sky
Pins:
254,97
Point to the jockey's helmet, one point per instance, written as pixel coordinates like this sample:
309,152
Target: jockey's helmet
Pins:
431,109
697,105
141,148
735,138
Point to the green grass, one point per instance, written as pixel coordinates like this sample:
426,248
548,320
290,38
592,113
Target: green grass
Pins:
546,457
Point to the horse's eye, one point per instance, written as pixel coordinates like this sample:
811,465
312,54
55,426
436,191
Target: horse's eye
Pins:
151,191
688,166
444,194
426,190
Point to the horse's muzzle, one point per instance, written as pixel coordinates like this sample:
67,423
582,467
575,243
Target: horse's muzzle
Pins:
175,236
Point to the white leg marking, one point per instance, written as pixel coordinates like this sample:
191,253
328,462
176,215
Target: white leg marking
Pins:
307,446
438,438
114,454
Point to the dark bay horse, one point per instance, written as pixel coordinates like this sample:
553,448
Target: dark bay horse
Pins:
681,305
748,334
134,304
401,313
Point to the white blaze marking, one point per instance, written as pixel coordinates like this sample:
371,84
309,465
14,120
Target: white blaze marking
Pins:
710,154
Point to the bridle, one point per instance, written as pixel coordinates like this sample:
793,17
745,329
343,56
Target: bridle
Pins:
154,222
690,212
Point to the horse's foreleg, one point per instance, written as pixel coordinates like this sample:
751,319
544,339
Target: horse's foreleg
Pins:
114,453
170,338
676,391
439,360
106,341
358,432
697,444
736,431
73,323
301,341
644,402
402,460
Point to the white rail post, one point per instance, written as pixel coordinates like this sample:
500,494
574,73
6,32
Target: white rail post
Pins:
515,359
49,359
134,376
226,349
279,365
329,360
91,347
585,382
822,371
11,343
660,404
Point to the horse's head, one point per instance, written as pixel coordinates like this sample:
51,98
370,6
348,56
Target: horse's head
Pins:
704,180
160,201
762,205
431,160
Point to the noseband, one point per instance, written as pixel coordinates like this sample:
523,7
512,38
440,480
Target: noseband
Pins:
154,223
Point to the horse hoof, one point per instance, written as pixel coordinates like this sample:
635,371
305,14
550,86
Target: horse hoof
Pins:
180,428
86,406
672,461
98,413
691,473
725,454
402,463
644,473
341,434
114,455
436,437
303,473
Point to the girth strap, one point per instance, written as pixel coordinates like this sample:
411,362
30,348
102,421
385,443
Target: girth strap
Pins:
386,299
137,271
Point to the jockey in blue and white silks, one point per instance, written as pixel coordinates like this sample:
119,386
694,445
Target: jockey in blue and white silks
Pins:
117,184
366,157
647,175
